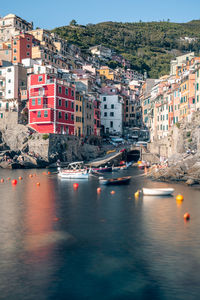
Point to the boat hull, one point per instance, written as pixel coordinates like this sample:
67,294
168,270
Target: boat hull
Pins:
115,181
157,192
102,170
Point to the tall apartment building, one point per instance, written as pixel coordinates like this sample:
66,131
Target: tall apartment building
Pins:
21,46
51,104
11,25
112,113
12,79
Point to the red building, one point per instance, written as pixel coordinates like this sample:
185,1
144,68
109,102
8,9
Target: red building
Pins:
21,47
51,104
97,118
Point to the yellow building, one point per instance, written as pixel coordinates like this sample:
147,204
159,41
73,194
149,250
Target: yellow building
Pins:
79,114
184,89
106,73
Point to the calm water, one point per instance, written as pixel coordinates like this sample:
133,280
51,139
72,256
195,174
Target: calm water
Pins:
57,243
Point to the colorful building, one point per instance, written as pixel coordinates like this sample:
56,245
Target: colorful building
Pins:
106,73
51,104
21,47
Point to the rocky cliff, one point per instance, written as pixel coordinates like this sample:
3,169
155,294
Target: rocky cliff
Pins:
21,147
182,150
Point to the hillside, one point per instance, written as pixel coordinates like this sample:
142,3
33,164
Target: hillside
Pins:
149,46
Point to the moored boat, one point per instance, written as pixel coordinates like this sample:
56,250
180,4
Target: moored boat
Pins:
112,181
101,169
75,170
157,191
122,167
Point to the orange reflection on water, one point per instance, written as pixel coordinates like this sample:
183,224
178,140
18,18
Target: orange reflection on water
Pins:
39,216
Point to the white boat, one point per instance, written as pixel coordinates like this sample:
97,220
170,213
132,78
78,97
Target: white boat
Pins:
157,192
74,170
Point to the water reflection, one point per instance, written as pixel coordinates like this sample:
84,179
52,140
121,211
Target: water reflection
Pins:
39,217
61,243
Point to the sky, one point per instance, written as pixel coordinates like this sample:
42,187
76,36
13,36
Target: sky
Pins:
51,14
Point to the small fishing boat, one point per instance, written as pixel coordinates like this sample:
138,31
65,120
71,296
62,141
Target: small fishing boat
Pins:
157,192
75,170
119,180
122,167
101,170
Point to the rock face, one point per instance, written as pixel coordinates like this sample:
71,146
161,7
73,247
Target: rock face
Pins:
183,136
186,168
21,147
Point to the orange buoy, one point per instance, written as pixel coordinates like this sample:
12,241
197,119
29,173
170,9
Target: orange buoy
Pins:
30,175
75,186
14,181
49,173
8,178
112,192
20,178
98,190
179,197
38,183
186,216
2,180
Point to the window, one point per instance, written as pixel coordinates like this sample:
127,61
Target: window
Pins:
66,91
105,106
39,114
72,117
46,113
27,53
14,58
33,102
39,78
104,98
66,103
197,86
112,106
76,107
28,46
60,89
72,105
15,42
72,93
59,115
39,101
197,98
15,50
59,102
9,91
105,114
66,116
9,80
112,114
111,124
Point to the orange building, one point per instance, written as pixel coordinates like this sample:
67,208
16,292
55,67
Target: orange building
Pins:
21,47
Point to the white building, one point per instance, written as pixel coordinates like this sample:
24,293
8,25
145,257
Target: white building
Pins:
112,113
12,79
101,51
11,25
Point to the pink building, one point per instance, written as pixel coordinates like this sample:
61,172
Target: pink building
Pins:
51,104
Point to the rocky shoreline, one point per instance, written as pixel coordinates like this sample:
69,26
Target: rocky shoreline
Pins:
180,167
